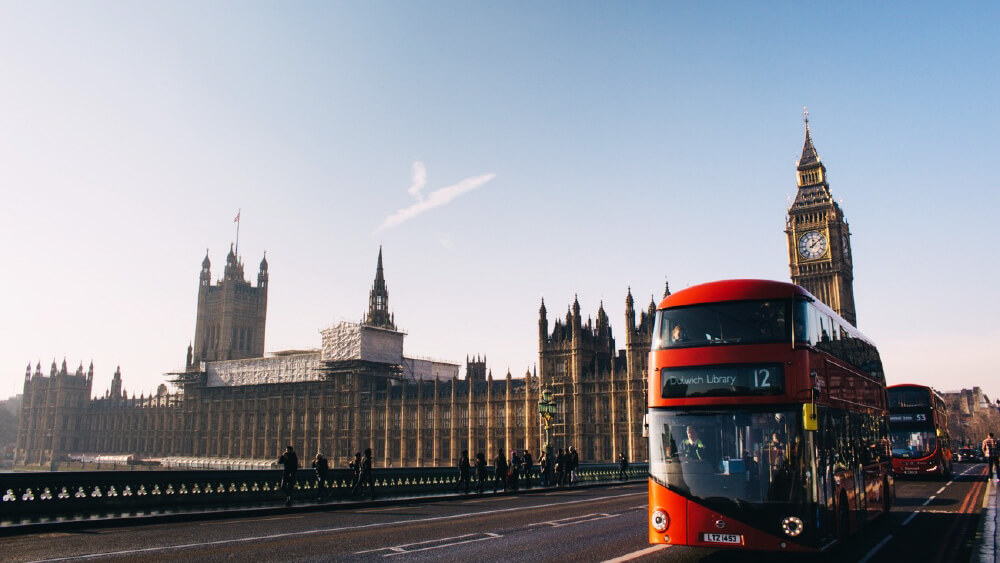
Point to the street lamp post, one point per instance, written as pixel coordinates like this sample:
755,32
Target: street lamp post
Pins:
547,409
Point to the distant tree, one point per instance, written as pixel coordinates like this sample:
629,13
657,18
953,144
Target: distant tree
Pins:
9,421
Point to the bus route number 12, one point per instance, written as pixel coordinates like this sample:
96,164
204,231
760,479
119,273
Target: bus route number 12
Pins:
761,378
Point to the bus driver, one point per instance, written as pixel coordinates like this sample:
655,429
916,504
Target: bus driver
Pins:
693,449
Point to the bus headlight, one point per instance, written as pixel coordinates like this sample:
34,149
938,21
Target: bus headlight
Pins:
792,526
659,520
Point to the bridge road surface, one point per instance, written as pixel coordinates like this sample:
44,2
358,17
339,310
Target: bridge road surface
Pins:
933,521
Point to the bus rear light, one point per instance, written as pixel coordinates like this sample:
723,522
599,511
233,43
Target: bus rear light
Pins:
659,520
792,526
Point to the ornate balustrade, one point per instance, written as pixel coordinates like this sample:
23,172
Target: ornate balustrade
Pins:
58,495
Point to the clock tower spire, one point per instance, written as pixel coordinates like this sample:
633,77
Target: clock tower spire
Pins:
819,238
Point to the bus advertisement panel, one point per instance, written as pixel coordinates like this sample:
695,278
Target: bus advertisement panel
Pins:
768,426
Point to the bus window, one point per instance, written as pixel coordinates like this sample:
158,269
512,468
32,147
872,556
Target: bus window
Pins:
736,456
738,322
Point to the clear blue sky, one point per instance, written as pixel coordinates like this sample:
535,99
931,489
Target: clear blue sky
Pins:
589,147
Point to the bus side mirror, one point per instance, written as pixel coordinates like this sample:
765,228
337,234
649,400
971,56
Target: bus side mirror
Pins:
809,421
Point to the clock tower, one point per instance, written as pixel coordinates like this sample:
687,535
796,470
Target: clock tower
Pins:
819,239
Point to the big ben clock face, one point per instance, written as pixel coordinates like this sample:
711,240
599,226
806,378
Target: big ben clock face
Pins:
812,245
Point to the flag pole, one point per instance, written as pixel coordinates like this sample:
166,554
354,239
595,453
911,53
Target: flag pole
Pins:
238,233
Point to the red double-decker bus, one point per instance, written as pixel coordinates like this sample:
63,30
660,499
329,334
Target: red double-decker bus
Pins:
918,423
768,423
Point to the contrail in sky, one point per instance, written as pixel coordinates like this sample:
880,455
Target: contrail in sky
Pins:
437,198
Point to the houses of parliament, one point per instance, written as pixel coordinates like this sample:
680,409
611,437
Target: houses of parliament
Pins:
233,402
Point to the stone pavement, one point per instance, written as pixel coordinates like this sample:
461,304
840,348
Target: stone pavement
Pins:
989,533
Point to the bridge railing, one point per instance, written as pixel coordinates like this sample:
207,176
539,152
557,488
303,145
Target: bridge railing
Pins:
54,495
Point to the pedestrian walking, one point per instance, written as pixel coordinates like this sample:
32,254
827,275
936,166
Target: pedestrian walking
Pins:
322,468
463,472
481,471
499,471
560,467
513,470
991,449
526,467
574,463
290,464
622,467
355,466
366,477
545,468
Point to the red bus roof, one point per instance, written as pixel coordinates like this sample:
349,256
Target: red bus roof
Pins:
930,390
734,290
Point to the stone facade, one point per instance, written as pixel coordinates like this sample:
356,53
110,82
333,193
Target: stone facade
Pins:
358,390
231,314
971,416
600,391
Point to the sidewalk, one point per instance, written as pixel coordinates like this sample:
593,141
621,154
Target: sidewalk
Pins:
989,533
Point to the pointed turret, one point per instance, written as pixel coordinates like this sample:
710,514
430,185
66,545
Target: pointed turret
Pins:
543,323
234,268
378,300
666,289
811,171
116,384
810,157
262,274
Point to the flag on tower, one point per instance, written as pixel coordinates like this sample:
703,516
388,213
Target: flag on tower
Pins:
237,218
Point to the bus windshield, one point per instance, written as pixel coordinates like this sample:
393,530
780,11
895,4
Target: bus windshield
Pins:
734,322
904,398
912,444
736,456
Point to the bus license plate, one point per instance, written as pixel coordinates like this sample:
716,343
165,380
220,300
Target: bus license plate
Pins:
722,538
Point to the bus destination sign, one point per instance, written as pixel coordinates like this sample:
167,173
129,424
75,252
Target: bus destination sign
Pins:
915,417
722,381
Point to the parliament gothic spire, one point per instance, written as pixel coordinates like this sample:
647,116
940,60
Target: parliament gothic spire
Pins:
819,238
378,300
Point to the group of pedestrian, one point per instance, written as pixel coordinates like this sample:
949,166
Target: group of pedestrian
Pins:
564,465
361,467
554,470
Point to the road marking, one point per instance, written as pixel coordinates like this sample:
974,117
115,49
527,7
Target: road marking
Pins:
875,549
405,548
911,517
490,536
928,501
575,520
638,554
939,491
385,508
491,499
253,520
989,493
329,530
